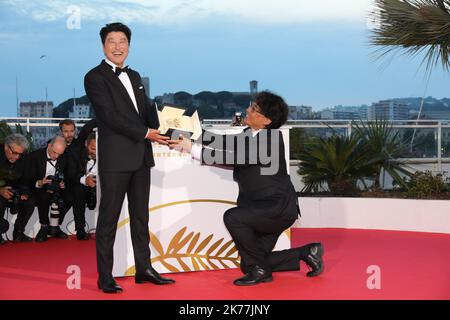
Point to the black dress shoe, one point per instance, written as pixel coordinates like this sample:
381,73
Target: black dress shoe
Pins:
2,241
255,276
151,275
314,259
21,237
56,232
109,286
42,235
82,235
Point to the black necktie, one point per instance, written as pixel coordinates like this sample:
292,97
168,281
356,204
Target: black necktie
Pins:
120,70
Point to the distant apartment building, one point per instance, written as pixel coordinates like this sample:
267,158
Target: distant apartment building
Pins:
300,112
388,110
345,113
39,109
146,84
80,112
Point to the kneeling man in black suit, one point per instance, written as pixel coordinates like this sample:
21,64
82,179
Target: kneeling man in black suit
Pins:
267,204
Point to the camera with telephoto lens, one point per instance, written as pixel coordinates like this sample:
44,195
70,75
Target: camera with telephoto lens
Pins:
14,201
53,186
91,196
58,200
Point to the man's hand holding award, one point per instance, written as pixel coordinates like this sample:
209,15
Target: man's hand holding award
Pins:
180,128
155,136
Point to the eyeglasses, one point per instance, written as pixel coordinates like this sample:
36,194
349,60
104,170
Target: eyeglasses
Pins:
14,152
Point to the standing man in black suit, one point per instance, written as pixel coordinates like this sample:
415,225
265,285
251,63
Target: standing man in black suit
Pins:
267,204
127,126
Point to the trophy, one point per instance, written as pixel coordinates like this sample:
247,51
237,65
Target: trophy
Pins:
173,122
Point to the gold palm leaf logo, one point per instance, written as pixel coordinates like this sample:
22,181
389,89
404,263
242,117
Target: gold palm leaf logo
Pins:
190,247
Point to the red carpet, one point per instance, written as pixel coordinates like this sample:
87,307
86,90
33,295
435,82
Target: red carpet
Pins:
413,266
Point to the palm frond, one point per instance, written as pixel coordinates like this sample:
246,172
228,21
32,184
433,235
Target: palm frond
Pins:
413,27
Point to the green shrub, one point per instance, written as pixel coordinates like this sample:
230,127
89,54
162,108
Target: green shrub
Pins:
425,185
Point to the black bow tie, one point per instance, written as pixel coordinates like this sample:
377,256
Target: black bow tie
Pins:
120,70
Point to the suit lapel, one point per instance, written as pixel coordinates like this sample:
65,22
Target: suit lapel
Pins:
108,72
136,84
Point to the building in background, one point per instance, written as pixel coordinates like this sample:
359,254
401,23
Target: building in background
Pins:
146,84
39,109
388,110
300,113
345,113
253,88
80,112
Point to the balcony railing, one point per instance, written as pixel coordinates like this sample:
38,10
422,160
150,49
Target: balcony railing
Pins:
430,146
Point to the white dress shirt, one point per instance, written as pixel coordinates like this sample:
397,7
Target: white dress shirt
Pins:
91,170
125,79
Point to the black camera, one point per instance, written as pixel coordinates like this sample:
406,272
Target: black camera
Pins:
91,198
14,201
58,200
91,195
53,186
237,120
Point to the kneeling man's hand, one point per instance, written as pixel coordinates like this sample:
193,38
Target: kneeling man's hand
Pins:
183,144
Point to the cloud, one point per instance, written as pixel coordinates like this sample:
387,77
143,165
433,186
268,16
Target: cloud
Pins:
169,12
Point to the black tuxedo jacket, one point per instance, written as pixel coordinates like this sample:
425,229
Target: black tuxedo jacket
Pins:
270,193
122,146
38,164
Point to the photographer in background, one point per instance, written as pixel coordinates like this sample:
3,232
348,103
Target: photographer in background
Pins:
75,154
47,172
14,186
89,172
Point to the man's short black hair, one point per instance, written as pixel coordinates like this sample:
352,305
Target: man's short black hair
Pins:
90,137
273,107
115,27
66,122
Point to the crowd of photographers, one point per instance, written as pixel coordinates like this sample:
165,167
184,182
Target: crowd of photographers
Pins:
54,179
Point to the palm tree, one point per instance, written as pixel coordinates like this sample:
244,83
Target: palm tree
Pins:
340,162
336,162
5,130
384,147
414,26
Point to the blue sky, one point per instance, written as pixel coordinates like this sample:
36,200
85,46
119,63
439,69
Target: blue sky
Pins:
312,52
